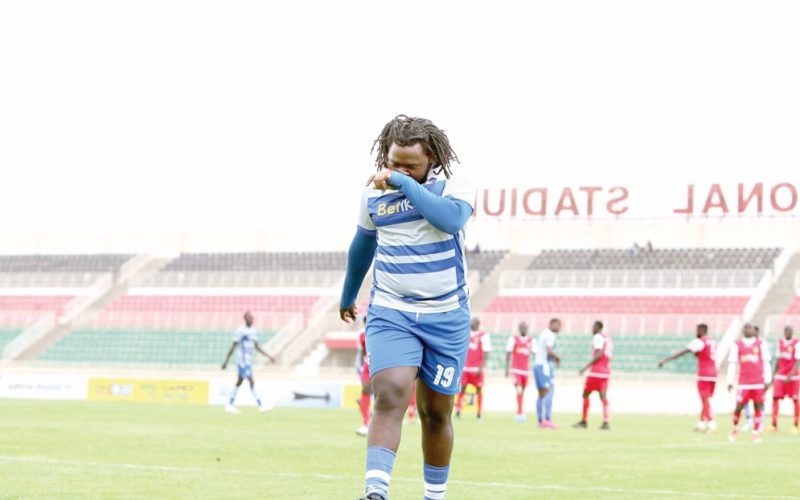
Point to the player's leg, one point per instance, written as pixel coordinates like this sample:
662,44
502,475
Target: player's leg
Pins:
548,400
446,339
776,405
758,410
712,425
257,399
412,404
392,387
606,410
363,405
395,355
520,384
541,386
230,407
704,407
737,414
460,398
585,412
479,396
795,395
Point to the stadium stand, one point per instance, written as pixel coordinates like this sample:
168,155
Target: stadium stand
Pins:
185,313
485,261
679,258
34,288
619,304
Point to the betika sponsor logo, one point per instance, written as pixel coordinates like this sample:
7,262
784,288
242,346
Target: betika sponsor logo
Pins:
397,207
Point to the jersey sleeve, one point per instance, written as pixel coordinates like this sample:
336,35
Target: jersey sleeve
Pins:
549,339
797,352
237,335
598,342
486,342
365,223
458,188
510,344
695,346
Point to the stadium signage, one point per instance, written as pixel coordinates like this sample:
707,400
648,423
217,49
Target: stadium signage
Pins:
690,200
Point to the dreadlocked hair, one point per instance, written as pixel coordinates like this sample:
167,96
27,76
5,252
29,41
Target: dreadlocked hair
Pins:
409,130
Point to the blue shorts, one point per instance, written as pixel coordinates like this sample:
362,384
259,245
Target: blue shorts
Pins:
544,374
245,371
436,343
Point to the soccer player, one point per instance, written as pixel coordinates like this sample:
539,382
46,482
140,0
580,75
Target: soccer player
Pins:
704,348
518,361
480,345
544,365
752,359
412,225
366,389
786,377
245,343
599,373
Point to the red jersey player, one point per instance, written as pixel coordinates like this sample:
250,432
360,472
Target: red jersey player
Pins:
518,361
704,348
786,377
362,365
753,361
599,373
480,344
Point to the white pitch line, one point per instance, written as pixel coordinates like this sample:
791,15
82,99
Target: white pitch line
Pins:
338,477
743,439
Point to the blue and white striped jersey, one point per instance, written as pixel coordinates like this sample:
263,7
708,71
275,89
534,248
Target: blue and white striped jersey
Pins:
247,337
417,267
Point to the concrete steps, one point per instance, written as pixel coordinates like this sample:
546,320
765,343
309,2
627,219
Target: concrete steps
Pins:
781,294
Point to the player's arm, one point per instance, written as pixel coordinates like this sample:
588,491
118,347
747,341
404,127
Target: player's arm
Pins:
673,357
733,362
228,356
486,345
597,357
552,355
445,214
265,353
359,259
509,349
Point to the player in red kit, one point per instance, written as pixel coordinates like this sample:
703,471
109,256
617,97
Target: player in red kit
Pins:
704,348
480,345
362,362
518,364
599,373
786,377
753,362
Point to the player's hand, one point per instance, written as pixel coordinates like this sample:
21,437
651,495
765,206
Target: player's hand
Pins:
661,364
767,386
730,388
380,180
580,372
349,314
224,365
558,362
506,373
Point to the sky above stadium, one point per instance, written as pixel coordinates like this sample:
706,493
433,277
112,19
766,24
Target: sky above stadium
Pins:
167,116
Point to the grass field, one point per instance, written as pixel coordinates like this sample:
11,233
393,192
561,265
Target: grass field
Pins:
128,450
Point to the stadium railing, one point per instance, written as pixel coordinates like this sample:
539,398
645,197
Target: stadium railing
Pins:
241,279
638,279
49,280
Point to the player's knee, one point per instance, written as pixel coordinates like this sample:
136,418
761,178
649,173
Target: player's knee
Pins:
391,395
434,418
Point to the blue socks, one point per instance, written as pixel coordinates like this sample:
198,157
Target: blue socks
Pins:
540,409
233,395
435,481
380,461
548,404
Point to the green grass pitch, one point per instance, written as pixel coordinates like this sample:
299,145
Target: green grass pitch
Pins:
129,450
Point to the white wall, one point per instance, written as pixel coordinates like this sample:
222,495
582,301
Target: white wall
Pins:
208,124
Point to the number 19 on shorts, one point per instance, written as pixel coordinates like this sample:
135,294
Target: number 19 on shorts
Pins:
444,376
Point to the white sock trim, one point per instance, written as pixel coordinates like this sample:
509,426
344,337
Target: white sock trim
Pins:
378,474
